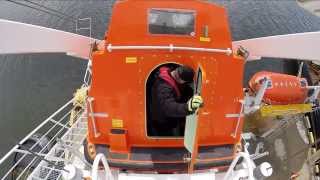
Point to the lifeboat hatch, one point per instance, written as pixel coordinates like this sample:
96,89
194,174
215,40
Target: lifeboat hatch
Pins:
155,129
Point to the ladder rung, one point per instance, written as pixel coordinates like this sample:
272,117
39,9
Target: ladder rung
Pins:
86,28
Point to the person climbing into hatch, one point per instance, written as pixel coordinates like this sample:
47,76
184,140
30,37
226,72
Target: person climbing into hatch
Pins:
172,100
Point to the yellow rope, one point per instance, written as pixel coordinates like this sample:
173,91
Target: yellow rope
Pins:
79,102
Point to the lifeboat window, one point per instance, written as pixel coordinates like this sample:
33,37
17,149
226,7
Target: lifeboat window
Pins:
171,22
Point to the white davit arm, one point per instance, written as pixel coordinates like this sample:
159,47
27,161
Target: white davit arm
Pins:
20,38
303,46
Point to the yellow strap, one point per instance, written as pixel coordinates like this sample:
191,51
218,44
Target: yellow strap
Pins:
278,110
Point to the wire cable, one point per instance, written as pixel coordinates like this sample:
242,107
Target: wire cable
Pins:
50,9
45,11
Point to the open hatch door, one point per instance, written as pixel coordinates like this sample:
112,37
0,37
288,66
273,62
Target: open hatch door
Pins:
190,133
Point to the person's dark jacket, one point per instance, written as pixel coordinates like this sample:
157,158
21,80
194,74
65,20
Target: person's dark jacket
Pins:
168,110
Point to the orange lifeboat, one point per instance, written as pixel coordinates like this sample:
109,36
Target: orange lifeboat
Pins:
119,122
283,89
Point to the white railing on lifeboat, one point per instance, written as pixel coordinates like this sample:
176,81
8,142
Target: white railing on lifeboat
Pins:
88,74
247,170
95,167
170,47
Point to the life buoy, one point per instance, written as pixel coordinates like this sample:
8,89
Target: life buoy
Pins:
283,89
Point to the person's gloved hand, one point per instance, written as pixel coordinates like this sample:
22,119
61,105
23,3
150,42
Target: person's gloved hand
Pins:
194,103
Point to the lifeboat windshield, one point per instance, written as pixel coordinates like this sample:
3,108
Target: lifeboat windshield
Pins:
175,22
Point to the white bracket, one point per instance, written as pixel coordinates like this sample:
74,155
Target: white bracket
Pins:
314,96
95,168
91,113
300,69
253,103
234,134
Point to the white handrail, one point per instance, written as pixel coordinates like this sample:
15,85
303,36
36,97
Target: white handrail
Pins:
313,87
171,48
250,166
95,167
34,131
234,134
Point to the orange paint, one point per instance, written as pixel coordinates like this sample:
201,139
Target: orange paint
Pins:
119,87
284,89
